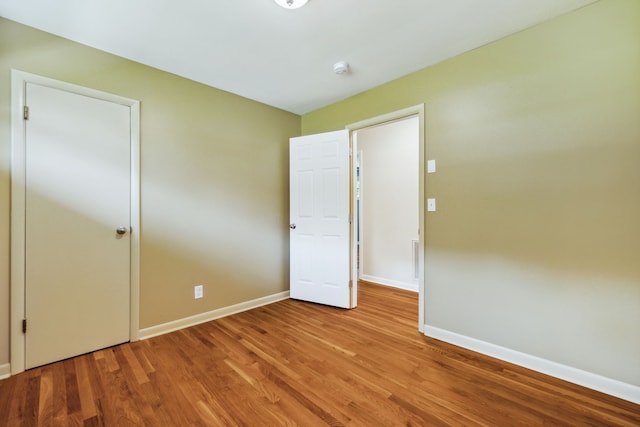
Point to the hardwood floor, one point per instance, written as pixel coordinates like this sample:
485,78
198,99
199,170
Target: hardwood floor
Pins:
294,363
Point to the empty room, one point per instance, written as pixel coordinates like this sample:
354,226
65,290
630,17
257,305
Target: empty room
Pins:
320,212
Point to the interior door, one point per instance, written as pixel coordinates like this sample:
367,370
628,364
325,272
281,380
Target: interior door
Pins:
319,219
77,240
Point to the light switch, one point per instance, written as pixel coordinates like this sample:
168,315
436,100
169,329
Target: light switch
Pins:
431,166
198,291
431,205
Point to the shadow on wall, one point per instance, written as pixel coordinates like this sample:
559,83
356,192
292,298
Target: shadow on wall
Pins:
536,246
217,233
214,178
214,212
570,210
537,250
584,321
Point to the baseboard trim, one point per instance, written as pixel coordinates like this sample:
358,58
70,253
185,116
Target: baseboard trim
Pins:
586,379
186,322
392,283
5,371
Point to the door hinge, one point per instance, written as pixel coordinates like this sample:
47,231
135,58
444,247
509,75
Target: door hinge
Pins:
25,111
350,151
24,326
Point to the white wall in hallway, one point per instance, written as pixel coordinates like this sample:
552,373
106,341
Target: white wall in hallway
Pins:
389,202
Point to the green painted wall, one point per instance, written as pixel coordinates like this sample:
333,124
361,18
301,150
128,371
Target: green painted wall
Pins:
536,242
214,179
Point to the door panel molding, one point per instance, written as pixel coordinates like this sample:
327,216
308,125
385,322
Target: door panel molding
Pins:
19,81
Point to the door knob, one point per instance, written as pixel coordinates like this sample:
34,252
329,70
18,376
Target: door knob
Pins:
292,226
121,230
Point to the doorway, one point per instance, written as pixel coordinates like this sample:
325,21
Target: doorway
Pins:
387,203
415,250
74,220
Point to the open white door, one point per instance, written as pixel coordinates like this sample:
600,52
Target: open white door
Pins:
319,219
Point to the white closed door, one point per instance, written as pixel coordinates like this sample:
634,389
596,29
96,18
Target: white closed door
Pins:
77,238
319,219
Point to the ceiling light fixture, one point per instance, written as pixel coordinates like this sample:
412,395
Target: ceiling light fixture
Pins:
291,4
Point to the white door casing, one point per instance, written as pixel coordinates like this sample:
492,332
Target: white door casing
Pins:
74,182
319,219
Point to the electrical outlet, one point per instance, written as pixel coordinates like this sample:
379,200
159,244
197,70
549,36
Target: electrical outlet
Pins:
198,291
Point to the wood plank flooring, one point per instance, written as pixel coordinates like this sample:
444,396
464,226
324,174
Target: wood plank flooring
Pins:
294,363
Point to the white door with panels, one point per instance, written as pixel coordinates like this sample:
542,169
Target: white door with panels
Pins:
77,224
319,219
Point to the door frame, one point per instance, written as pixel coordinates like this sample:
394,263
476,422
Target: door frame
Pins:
416,110
19,80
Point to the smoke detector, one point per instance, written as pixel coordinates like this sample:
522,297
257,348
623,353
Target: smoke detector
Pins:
341,67
291,4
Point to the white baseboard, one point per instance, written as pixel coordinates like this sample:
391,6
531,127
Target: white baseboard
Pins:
210,315
5,371
392,283
586,379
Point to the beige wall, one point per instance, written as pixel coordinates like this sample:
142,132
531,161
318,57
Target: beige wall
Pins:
214,179
536,242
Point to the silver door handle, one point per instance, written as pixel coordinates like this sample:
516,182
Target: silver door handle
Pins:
121,230
292,226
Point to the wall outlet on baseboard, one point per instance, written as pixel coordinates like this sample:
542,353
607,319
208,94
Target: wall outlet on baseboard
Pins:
198,291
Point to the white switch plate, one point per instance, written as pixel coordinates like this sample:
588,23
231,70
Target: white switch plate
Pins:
198,291
431,205
431,166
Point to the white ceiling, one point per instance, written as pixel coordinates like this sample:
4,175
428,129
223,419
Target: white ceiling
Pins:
285,58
